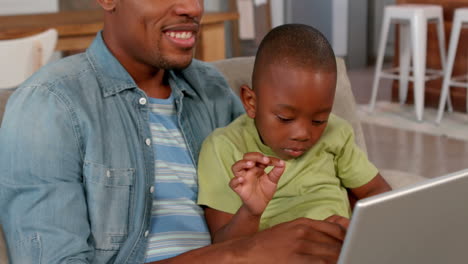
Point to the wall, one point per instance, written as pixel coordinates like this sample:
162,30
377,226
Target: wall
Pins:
330,17
9,7
277,12
316,13
215,5
358,37
340,27
376,11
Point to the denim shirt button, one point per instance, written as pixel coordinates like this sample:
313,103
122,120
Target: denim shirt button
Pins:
148,141
142,101
152,189
146,233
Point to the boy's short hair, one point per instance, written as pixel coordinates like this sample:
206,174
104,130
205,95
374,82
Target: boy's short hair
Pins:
295,45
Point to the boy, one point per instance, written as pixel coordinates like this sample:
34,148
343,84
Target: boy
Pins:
288,131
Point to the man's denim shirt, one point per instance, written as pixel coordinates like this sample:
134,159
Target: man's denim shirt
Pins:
76,162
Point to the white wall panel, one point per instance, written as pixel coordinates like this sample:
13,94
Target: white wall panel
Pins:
11,7
340,27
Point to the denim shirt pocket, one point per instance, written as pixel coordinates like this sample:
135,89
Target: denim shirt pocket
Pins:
28,250
109,192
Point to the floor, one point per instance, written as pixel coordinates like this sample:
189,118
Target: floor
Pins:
401,150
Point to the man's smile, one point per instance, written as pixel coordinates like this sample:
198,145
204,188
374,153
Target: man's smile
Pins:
182,35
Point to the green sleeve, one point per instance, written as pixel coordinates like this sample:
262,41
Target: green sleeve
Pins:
214,173
352,165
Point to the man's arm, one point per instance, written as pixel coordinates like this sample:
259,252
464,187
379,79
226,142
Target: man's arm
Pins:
299,241
44,213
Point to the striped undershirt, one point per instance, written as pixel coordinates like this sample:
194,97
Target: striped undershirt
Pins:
177,222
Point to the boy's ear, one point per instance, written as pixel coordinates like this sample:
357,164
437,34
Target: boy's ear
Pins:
249,100
107,5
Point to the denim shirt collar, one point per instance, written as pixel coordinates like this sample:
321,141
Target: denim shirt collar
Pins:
112,76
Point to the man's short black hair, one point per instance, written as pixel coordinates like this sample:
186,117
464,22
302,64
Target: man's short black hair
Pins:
296,45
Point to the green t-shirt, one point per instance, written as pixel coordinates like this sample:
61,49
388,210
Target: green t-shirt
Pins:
312,185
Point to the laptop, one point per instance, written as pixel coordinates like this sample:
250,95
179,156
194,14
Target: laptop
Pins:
425,223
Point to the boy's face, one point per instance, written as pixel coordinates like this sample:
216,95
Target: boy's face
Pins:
291,106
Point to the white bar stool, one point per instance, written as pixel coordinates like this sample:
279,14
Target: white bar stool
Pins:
413,19
460,18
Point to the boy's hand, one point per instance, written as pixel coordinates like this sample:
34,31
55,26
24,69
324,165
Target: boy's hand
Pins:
253,185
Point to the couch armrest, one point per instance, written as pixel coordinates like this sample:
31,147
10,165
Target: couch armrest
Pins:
345,104
4,95
3,248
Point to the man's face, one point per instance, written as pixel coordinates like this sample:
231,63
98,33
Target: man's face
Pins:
157,33
292,107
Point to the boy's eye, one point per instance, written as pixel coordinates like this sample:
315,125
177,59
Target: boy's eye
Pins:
284,119
319,122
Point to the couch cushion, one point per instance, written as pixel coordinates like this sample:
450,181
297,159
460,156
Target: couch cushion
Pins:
3,248
237,71
4,95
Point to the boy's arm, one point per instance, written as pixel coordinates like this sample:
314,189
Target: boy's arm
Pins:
375,186
256,188
224,226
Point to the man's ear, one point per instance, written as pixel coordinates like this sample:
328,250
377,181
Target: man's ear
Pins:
107,5
249,100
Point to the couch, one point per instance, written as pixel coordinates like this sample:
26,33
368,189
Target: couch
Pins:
237,71
4,94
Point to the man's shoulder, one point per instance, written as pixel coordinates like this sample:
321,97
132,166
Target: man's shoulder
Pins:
61,79
204,75
65,70
202,66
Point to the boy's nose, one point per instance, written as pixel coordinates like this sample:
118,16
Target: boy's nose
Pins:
190,8
300,133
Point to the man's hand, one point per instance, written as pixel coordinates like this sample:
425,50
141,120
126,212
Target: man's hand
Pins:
253,185
300,241
342,221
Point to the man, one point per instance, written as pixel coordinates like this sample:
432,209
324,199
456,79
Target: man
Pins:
82,155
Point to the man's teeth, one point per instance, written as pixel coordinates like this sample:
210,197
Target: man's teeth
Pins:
180,35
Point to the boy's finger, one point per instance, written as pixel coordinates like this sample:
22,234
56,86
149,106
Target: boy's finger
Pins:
242,165
276,162
234,183
258,158
275,174
264,160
